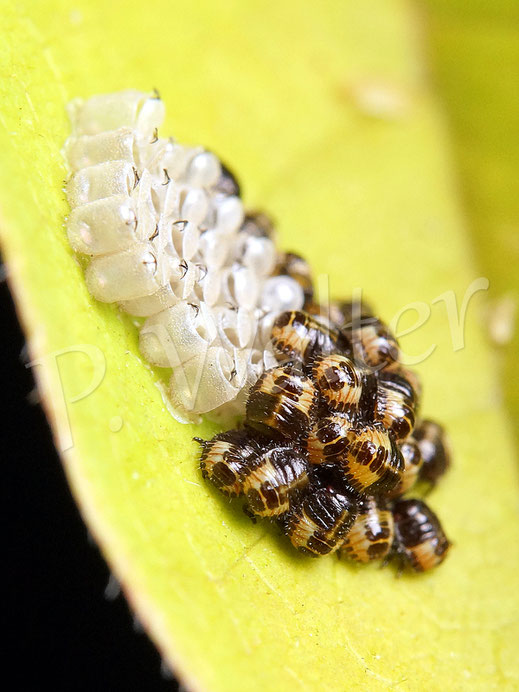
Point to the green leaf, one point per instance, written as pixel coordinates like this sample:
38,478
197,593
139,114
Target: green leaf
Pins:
326,115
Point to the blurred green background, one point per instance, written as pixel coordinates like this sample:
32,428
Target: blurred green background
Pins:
473,53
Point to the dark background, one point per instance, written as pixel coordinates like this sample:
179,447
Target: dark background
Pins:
63,630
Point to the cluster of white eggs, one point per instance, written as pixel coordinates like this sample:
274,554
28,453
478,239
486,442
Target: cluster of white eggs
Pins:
169,242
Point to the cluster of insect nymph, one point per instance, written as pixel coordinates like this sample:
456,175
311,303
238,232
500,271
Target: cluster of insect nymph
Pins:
331,442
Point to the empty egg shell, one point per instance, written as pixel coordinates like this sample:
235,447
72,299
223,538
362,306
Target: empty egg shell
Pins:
176,335
205,381
167,296
104,226
124,275
128,108
234,327
193,205
100,181
89,150
214,247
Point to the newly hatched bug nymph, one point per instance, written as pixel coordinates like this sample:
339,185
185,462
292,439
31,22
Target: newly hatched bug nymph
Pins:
275,480
269,477
258,225
281,402
225,459
366,454
297,335
396,404
372,342
420,540
371,535
412,464
345,313
434,448
345,387
317,525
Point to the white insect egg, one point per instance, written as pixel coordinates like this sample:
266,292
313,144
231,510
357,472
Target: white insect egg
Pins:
151,153
128,108
190,240
184,238
124,275
246,287
246,327
229,213
205,382
104,226
194,205
253,360
204,170
210,218
172,292
170,193
100,181
240,286
88,150
170,267
264,323
227,329
211,285
176,335
164,225
166,154
185,283
259,254
164,298
215,245
146,213
234,327
282,293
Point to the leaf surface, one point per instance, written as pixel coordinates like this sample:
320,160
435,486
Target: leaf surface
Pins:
326,115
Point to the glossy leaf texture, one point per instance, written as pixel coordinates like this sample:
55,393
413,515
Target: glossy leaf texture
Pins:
326,114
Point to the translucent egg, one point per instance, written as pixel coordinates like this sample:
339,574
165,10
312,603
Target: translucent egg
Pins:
101,181
128,108
205,382
281,293
194,205
215,245
235,328
124,275
204,170
211,285
229,213
259,254
88,150
104,226
164,224
240,287
164,298
174,336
